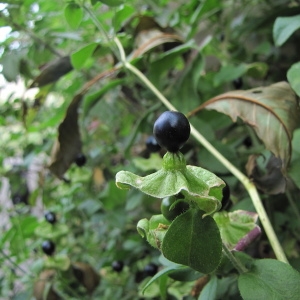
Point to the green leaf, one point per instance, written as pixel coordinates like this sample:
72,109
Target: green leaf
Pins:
10,64
73,15
209,291
112,2
58,262
270,279
193,241
154,229
79,57
154,162
293,76
92,99
48,231
122,15
196,184
284,27
238,228
161,273
229,73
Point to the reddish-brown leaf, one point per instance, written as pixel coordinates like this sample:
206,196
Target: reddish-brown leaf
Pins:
272,111
68,144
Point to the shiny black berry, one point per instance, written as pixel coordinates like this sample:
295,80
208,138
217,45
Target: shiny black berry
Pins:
50,217
226,196
238,83
151,269
171,211
171,130
152,145
80,160
48,247
117,265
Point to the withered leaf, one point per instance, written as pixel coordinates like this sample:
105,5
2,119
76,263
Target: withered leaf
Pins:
272,111
52,71
269,179
68,145
149,34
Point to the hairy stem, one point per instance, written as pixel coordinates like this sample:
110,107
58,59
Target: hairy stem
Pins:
236,262
249,186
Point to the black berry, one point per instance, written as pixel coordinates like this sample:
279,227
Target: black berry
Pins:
171,130
151,269
48,247
226,196
117,265
80,160
152,144
50,217
170,211
238,83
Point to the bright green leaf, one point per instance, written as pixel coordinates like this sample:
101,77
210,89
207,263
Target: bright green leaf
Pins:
270,279
229,73
112,2
73,15
79,57
293,76
284,27
209,291
193,241
48,231
59,262
237,228
154,229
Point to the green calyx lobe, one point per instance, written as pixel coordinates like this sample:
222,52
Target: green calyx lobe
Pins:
174,161
198,186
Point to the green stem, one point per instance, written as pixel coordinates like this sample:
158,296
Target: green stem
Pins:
293,205
249,186
236,262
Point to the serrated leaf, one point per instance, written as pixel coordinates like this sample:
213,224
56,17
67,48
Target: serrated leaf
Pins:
293,76
193,241
238,229
284,27
196,184
270,279
73,14
272,111
79,57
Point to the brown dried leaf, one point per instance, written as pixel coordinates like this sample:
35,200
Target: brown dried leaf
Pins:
269,179
272,111
68,144
52,71
149,34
